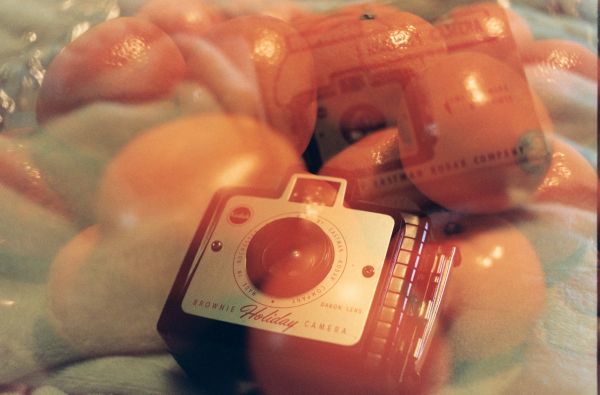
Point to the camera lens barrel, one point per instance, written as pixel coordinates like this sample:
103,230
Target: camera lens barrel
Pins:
288,257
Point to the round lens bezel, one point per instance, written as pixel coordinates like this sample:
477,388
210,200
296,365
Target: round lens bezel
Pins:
335,272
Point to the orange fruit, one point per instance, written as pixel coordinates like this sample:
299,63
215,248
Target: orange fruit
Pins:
96,269
487,149
125,59
19,172
373,169
175,168
185,16
63,297
365,54
556,54
571,179
279,367
68,262
71,151
497,293
269,57
571,101
486,27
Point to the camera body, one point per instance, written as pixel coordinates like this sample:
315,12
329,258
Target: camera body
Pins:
349,279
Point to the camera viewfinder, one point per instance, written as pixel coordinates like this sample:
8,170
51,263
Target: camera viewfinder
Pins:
312,191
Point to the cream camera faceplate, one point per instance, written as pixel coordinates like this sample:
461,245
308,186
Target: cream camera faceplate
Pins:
335,309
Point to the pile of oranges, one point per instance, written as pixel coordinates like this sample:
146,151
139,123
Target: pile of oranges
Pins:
472,137
418,115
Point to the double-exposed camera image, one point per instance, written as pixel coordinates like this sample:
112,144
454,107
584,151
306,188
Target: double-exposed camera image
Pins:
363,282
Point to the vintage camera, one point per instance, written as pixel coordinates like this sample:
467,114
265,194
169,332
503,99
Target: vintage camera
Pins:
354,280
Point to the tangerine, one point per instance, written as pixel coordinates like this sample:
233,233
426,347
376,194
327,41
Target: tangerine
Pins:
175,168
365,54
96,268
571,101
268,56
556,54
19,172
497,293
486,27
278,363
488,150
125,59
374,172
571,179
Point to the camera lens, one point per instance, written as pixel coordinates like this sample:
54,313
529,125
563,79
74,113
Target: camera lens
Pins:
288,257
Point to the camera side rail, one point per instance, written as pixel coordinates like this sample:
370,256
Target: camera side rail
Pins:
405,324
